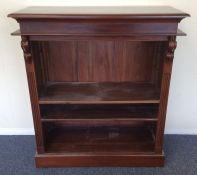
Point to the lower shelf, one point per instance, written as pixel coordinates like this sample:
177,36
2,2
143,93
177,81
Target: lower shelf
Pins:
95,160
136,138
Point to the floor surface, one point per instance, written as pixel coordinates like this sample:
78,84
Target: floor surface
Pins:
17,158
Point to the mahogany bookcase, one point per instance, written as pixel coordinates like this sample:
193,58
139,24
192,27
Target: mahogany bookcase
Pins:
98,80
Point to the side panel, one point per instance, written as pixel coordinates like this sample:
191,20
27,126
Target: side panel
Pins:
165,84
29,62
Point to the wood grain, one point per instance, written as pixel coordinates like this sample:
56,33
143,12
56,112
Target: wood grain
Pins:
74,60
104,139
116,12
99,114
31,77
98,160
98,93
167,68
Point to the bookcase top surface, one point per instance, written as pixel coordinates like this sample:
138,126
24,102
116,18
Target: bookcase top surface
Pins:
98,11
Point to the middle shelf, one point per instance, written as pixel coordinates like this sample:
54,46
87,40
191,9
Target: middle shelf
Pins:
99,114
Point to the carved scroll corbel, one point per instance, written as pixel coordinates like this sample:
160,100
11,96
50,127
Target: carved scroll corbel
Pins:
26,49
171,48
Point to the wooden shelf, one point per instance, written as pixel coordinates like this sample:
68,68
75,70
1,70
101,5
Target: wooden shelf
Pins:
106,140
98,93
98,114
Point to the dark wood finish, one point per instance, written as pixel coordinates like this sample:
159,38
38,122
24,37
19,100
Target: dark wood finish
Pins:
18,33
31,77
104,28
78,60
62,138
99,114
98,93
99,80
95,160
102,20
167,69
131,12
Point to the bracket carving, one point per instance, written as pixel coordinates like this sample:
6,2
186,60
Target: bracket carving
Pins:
171,48
26,48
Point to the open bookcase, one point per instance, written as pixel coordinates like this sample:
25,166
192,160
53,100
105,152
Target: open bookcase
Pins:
99,82
95,101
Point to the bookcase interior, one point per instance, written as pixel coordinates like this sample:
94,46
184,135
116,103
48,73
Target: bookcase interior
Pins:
98,70
98,95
